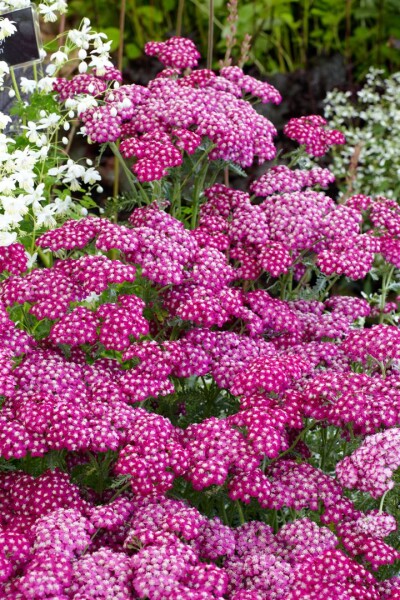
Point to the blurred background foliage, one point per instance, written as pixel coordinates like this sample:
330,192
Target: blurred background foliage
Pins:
286,34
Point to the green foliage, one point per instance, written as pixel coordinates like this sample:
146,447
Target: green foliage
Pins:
369,163
286,34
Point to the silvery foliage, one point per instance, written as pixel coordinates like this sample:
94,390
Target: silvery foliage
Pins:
371,123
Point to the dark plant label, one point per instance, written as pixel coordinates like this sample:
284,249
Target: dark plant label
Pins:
22,47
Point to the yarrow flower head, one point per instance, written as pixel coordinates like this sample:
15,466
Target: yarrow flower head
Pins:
313,133
177,52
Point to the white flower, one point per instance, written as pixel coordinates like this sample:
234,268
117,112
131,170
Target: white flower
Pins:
61,6
7,238
45,214
56,171
4,68
7,28
59,58
97,41
44,150
45,84
84,103
14,208
4,120
63,206
5,222
7,185
49,120
49,12
81,37
100,63
25,180
32,131
51,69
7,4
27,85
82,67
32,258
91,176
74,173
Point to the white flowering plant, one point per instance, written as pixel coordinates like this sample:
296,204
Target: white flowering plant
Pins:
49,10
363,165
40,183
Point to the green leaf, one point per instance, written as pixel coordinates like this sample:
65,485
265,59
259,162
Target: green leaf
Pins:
132,51
237,169
151,14
87,202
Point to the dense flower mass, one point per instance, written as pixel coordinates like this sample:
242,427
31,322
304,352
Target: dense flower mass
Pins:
196,402
313,133
175,113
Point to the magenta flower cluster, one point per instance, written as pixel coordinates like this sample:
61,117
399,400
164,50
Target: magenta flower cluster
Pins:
177,112
194,414
55,543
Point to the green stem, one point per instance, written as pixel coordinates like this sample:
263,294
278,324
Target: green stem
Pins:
176,197
197,164
287,285
179,18
323,447
17,93
130,176
330,286
386,280
15,85
240,512
46,257
122,15
296,154
224,513
382,501
301,436
198,188
210,41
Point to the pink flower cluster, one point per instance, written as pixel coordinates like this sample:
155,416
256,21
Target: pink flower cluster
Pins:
208,400
313,133
56,544
177,113
177,52
371,466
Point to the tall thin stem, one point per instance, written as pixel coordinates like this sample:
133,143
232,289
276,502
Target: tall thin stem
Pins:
122,15
15,85
210,43
137,188
179,18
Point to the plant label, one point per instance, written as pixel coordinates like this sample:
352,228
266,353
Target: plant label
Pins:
22,48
